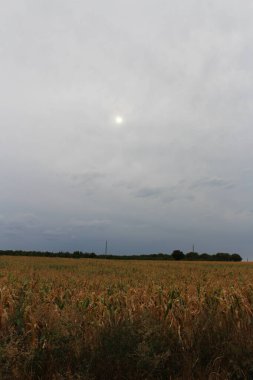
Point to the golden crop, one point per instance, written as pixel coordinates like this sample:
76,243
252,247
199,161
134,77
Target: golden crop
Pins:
105,319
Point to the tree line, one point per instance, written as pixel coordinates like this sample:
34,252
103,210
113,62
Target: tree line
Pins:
175,255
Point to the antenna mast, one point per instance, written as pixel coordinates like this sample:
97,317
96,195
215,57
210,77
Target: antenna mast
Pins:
106,249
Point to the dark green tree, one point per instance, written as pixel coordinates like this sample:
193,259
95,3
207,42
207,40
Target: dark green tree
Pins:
192,256
236,257
177,255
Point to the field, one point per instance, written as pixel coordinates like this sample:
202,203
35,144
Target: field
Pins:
103,319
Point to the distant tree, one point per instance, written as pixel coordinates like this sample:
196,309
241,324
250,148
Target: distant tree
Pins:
178,255
236,257
220,256
77,255
192,256
205,256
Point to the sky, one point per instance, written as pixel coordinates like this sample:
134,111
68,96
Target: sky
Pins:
127,121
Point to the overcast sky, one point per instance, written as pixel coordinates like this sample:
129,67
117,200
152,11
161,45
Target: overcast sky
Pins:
174,169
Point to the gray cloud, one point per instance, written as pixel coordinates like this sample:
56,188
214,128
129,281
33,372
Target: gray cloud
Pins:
213,183
176,170
86,178
18,223
147,192
94,223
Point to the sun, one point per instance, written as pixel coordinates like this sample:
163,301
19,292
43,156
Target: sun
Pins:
118,119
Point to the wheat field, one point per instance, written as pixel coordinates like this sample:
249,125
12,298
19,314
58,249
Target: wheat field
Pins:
103,319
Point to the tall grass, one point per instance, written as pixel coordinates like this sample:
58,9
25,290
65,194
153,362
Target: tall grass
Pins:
88,319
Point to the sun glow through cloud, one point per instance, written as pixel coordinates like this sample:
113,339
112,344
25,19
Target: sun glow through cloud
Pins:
118,120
